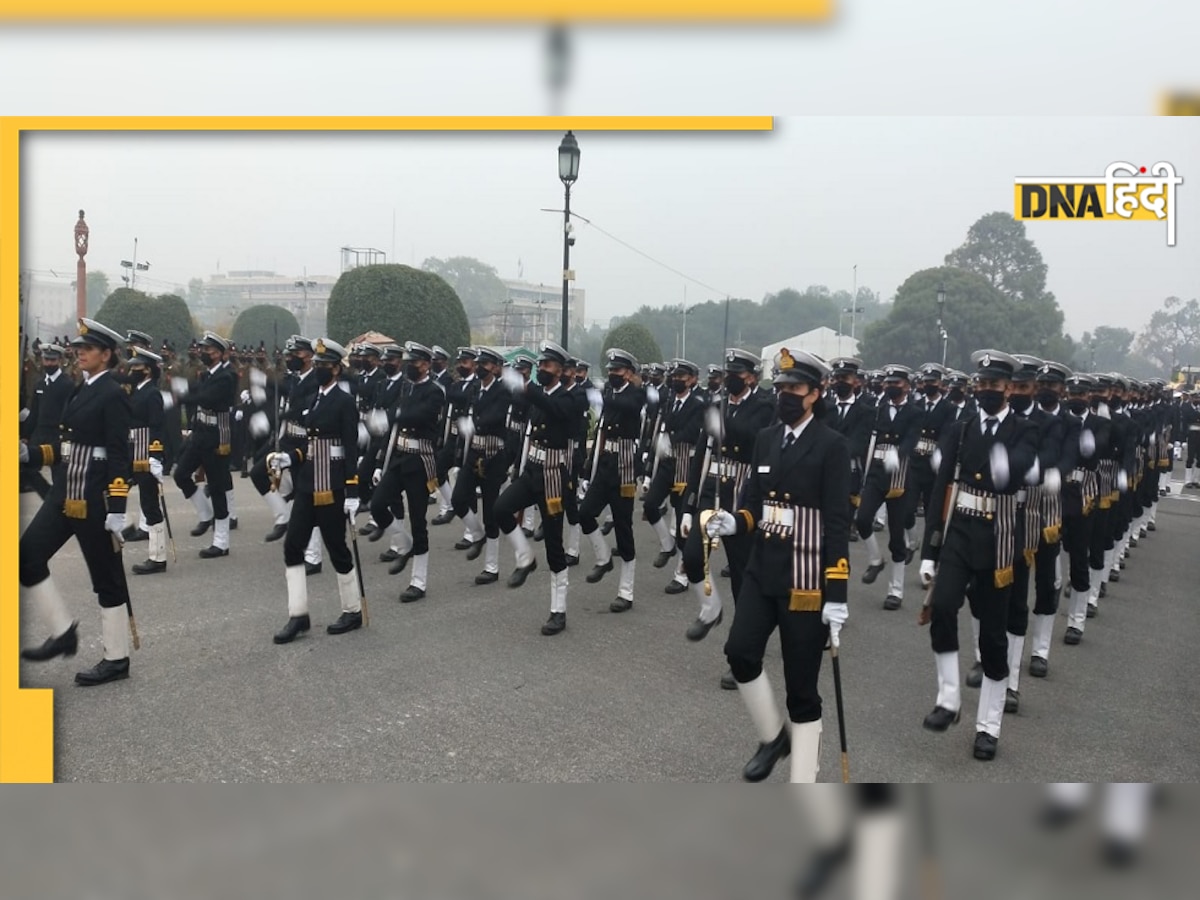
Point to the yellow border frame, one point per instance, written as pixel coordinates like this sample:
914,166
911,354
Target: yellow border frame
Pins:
611,11
26,716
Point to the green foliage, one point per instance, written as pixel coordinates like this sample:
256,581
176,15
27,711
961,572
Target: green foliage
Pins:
97,288
633,338
1172,336
406,303
165,317
476,283
271,325
997,248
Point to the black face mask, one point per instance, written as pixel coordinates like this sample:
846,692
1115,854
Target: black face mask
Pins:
1077,405
1020,402
412,372
1047,398
580,379
481,370
544,378
894,392
931,390
679,386
735,384
295,364
1116,403
50,370
843,389
615,381
714,385
1096,401
956,395
391,369
991,402
789,407
465,371
323,375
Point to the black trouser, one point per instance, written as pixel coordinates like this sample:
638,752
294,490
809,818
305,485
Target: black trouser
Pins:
404,479
920,485
366,470
330,518
607,490
486,474
661,486
147,486
216,470
802,637
447,458
873,496
1193,448
527,490
33,478
1045,602
50,529
1077,540
1101,538
957,580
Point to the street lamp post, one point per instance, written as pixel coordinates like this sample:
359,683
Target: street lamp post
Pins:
941,301
304,286
134,267
568,172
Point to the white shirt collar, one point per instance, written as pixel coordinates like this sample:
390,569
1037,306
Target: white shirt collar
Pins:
304,374
90,378
797,430
549,391
999,417
53,378
217,366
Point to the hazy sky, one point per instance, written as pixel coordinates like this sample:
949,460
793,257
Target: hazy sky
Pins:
745,214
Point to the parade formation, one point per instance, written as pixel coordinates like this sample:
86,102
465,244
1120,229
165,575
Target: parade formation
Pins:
1017,478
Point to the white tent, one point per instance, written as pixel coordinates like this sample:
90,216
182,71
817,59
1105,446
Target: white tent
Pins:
823,342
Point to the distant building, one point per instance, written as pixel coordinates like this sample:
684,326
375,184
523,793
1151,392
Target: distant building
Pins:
532,313
823,342
225,295
50,305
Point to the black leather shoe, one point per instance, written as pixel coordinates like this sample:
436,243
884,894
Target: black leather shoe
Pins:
620,605
572,560
853,537
212,552
607,527
1150,526
1038,667
764,760
728,682
376,533
975,676
1012,701
539,533
556,623
1118,854
909,553
366,529
1133,542
520,573
528,532
104,671
202,527
347,621
149,567
1121,565
133,534
1091,611
443,518
1114,575
663,558
462,544
276,532
825,863
389,555
674,587
985,746
699,630
487,578
311,569
475,548
872,573
412,594
892,602
295,626
1103,592
64,645
1058,815
878,526
725,573
233,524
400,563
941,719
599,571
1073,636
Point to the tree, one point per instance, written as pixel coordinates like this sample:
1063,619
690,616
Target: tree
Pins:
97,288
997,249
476,283
406,303
165,317
632,338
265,323
1172,336
195,288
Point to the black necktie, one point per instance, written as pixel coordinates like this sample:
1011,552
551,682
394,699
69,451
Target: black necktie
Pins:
842,410
789,440
991,422
678,404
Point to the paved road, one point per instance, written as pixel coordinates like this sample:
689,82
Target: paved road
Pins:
462,687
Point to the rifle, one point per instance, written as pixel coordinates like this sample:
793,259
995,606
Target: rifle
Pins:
597,448
926,613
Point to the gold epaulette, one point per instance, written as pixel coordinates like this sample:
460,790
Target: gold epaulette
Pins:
156,447
118,487
840,572
352,481
47,454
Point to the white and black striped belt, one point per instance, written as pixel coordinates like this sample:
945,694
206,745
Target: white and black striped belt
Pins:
205,418
410,445
336,451
977,504
67,448
1021,495
881,450
1078,476
726,469
926,446
295,429
780,518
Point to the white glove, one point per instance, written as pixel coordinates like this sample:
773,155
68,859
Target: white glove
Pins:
1087,443
1034,476
277,462
24,452
351,506
24,413
156,469
643,487
258,378
259,424
376,477
258,395
377,422
114,522
168,400
584,484
835,615
998,457
1122,481
1052,480
927,571
891,460
722,524
179,386
685,525
237,416
245,397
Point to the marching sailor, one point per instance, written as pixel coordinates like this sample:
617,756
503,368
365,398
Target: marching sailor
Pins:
146,451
